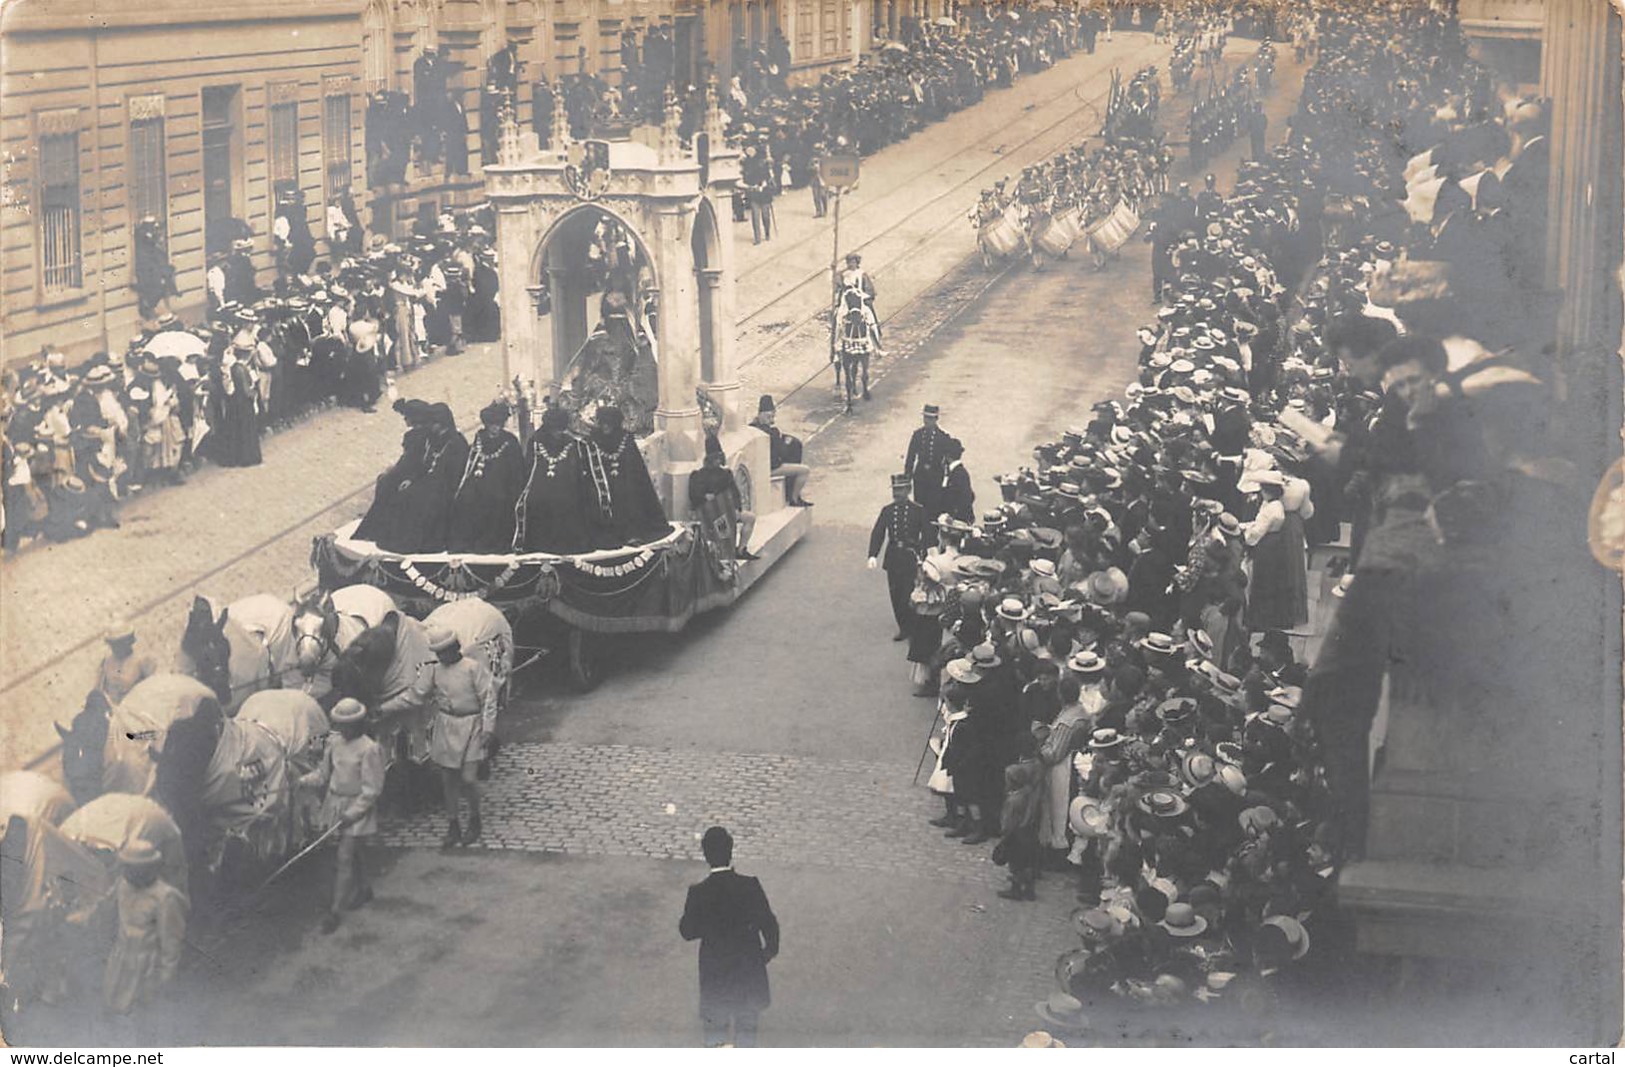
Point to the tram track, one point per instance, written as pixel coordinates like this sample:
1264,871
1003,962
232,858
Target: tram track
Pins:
318,517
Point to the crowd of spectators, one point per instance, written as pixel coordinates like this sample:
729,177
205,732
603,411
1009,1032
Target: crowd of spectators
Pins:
80,439
1115,647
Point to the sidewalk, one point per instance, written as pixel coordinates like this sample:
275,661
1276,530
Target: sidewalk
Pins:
230,533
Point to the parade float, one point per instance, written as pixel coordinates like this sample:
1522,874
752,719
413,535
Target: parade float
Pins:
618,249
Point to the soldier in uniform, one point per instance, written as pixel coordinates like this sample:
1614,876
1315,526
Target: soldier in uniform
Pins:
902,528
927,460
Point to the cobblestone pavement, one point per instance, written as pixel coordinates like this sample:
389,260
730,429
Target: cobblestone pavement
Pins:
627,800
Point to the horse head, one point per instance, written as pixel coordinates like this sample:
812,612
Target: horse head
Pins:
183,766
84,744
315,631
360,669
205,651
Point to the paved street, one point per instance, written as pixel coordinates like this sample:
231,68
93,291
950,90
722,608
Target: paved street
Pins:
230,533
786,718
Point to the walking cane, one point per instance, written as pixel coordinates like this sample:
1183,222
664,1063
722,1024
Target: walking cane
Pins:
929,730
301,854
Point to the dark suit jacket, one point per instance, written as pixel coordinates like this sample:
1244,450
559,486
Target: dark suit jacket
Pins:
901,528
729,915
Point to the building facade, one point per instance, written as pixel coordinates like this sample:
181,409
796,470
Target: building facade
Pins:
199,117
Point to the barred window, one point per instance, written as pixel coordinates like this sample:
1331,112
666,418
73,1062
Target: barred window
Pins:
336,142
61,268
149,193
283,149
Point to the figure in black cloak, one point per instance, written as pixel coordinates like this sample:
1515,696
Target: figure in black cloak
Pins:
234,425
482,321
482,515
549,516
382,515
154,275
622,505
423,511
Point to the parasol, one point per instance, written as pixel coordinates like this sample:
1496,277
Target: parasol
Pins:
178,344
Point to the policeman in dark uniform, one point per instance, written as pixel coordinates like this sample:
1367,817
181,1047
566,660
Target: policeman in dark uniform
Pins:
902,528
927,460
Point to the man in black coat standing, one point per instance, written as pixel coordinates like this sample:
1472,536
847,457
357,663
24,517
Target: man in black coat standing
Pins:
927,461
901,528
729,915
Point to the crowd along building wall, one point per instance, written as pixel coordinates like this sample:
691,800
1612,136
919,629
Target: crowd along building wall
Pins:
194,114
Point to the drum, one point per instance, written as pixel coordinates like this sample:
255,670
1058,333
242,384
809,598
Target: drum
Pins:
1056,237
1002,236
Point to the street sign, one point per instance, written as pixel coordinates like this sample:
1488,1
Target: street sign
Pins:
838,171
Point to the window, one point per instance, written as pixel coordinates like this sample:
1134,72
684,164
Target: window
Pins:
336,142
830,23
804,29
282,149
61,269
149,193
219,165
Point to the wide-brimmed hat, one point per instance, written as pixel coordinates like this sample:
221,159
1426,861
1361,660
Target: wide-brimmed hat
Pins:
1105,738
1287,696
441,639
1086,662
1012,610
977,567
1163,804
119,630
1276,715
1231,778
348,710
1181,920
963,670
1044,568
1041,1039
1095,924
1199,768
985,657
1199,643
100,374
1228,752
1087,818
140,853
1176,709
1063,1011
1109,586
1158,643
1296,936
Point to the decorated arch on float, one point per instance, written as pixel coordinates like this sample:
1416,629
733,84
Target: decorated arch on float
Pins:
618,287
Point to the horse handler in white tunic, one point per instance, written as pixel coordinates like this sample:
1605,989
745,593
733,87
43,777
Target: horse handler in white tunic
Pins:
464,698
352,770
